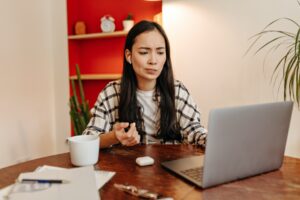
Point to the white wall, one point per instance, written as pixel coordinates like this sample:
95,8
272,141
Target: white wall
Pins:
33,68
208,39
61,73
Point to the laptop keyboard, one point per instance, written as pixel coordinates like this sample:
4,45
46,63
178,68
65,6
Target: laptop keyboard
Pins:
194,173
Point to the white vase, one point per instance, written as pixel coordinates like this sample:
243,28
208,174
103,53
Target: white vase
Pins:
128,24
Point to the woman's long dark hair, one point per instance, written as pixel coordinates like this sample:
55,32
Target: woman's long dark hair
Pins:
129,110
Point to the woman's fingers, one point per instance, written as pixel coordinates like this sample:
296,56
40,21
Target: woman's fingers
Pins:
119,130
120,126
131,130
135,139
132,135
129,138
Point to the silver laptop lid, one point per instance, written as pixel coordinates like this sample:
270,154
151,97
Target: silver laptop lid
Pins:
245,141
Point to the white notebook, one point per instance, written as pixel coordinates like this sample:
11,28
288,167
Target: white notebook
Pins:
101,176
81,185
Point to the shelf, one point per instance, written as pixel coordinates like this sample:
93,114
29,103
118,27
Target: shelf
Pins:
97,77
97,35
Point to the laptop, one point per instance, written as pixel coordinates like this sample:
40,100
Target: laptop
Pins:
242,142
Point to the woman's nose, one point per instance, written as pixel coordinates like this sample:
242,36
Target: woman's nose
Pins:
152,59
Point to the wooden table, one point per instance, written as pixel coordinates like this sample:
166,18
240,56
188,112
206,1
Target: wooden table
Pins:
280,184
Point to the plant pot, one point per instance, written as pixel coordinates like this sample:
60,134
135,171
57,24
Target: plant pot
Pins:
128,24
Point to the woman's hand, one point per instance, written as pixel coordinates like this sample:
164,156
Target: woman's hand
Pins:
129,138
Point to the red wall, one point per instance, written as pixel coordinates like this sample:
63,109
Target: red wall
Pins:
103,55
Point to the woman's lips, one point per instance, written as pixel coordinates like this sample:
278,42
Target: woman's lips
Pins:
151,71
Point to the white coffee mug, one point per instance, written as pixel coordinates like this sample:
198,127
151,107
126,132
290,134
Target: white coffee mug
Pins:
84,149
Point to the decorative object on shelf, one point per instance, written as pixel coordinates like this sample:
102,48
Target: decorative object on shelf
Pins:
128,22
79,110
288,66
107,24
80,28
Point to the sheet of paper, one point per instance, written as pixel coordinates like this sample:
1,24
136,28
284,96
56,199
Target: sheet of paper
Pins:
4,191
82,185
101,176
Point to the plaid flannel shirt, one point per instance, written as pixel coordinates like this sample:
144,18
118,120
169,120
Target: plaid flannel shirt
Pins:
105,113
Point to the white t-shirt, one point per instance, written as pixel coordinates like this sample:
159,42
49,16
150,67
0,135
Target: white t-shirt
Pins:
150,114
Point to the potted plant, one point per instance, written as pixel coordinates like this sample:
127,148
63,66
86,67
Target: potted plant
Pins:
128,22
79,109
287,66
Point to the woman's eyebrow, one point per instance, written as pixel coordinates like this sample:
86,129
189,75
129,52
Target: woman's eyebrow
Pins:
148,48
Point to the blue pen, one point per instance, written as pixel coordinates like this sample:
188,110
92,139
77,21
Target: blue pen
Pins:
55,181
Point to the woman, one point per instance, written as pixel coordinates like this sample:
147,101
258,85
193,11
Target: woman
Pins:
146,105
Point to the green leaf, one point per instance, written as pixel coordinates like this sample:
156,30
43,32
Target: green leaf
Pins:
79,110
266,31
81,91
286,76
297,40
269,42
282,60
74,115
74,93
297,83
292,79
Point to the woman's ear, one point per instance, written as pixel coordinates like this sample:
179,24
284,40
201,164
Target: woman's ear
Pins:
128,55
